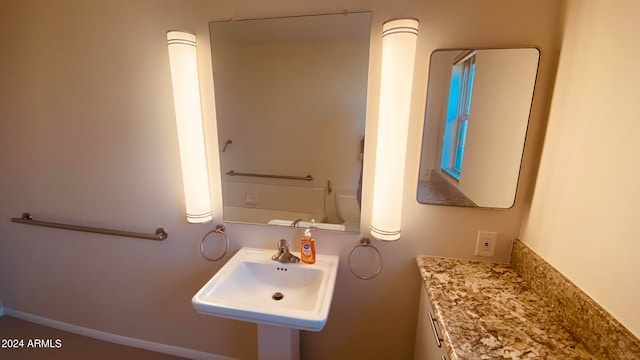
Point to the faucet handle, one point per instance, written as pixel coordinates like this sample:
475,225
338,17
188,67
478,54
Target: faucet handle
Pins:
283,255
283,245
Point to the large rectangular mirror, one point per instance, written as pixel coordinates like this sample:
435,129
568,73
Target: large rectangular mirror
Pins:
291,102
478,105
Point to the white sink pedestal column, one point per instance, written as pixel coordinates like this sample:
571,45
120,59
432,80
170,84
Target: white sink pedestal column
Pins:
278,343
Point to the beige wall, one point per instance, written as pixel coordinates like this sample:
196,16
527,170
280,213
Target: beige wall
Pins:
586,204
87,136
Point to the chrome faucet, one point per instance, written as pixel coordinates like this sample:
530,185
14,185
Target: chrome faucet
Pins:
283,255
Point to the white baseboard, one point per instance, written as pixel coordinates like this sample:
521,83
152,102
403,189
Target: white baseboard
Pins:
113,338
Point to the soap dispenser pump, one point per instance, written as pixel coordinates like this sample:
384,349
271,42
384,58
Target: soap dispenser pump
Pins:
308,248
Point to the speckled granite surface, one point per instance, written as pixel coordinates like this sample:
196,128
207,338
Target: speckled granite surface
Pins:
490,311
487,312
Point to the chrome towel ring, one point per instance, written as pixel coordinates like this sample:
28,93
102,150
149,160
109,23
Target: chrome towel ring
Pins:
365,242
218,230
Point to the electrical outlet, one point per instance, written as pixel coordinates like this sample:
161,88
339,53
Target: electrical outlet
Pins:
251,199
486,244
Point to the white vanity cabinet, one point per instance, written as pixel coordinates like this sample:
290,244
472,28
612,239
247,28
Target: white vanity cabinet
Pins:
429,343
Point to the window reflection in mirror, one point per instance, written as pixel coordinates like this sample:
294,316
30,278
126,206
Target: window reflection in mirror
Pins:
457,119
291,102
476,118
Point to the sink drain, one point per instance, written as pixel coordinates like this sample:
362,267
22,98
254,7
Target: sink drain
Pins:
277,296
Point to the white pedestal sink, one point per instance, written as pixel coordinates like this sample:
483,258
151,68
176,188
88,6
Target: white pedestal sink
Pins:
278,343
281,298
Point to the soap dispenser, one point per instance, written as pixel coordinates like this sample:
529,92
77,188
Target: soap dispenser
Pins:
308,248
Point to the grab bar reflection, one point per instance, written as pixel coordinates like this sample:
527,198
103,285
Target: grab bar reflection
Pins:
306,178
26,218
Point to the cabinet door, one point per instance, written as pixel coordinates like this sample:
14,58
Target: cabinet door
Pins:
429,345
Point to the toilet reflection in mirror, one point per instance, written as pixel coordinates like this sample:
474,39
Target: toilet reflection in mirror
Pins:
348,210
476,118
290,96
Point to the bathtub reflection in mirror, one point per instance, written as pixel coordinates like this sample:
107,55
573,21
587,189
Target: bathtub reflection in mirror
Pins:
290,99
478,105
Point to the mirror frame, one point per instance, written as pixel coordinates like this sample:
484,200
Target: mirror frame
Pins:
432,131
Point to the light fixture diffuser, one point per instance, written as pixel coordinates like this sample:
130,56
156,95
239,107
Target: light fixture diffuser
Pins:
399,38
186,98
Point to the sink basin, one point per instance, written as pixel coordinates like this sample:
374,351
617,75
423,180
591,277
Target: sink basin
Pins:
252,287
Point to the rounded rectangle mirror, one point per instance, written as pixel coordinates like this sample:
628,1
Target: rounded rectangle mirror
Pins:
476,118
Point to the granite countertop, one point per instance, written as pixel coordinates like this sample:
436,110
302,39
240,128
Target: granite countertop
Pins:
487,311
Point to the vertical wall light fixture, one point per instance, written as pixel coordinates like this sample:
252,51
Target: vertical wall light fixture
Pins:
186,99
399,38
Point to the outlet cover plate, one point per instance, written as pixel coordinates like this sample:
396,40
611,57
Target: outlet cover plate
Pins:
486,243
